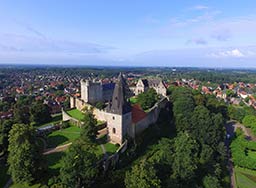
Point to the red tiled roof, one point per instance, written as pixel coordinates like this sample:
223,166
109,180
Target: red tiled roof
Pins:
137,113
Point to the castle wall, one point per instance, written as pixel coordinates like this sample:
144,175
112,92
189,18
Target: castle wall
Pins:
151,118
66,117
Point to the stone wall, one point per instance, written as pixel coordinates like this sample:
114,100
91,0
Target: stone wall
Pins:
151,118
66,117
117,125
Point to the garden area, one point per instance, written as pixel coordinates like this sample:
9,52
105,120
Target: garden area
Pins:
245,178
75,113
63,136
244,158
243,151
55,119
146,100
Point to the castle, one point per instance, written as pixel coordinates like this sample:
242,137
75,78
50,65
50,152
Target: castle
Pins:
121,117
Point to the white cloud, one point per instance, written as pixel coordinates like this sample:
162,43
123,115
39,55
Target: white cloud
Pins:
235,53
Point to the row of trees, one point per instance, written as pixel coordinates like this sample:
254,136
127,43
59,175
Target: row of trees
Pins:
27,111
196,156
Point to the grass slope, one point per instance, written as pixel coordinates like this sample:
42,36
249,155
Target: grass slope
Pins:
76,114
63,136
245,178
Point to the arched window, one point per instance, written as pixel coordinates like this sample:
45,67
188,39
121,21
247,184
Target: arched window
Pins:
114,130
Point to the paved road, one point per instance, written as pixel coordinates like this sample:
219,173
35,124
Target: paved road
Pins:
57,149
230,129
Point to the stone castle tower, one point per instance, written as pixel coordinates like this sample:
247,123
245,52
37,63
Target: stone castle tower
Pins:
91,92
120,110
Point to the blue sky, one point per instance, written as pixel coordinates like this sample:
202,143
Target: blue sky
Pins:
219,33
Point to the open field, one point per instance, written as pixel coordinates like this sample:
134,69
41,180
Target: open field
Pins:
63,136
245,178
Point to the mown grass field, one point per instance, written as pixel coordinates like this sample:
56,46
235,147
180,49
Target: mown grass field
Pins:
63,136
76,114
245,178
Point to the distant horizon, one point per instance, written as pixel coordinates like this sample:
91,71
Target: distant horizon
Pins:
45,65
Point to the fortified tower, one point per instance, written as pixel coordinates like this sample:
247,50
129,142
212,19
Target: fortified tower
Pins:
91,91
120,110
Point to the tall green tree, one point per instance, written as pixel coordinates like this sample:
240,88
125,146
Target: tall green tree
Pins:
21,114
147,99
142,175
24,159
185,157
79,166
5,127
40,113
89,130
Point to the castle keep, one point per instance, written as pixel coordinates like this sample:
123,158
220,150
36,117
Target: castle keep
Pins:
121,118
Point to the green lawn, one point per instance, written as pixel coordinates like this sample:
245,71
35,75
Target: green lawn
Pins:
55,119
54,162
76,114
4,177
63,136
111,148
133,100
252,154
245,178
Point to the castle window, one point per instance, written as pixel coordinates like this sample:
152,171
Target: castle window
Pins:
113,117
114,130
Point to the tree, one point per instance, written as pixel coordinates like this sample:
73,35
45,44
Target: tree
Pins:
79,166
142,175
89,130
185,157
199,99
147,99
211,182
21,114
24,159
5,127
230,93
40,113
